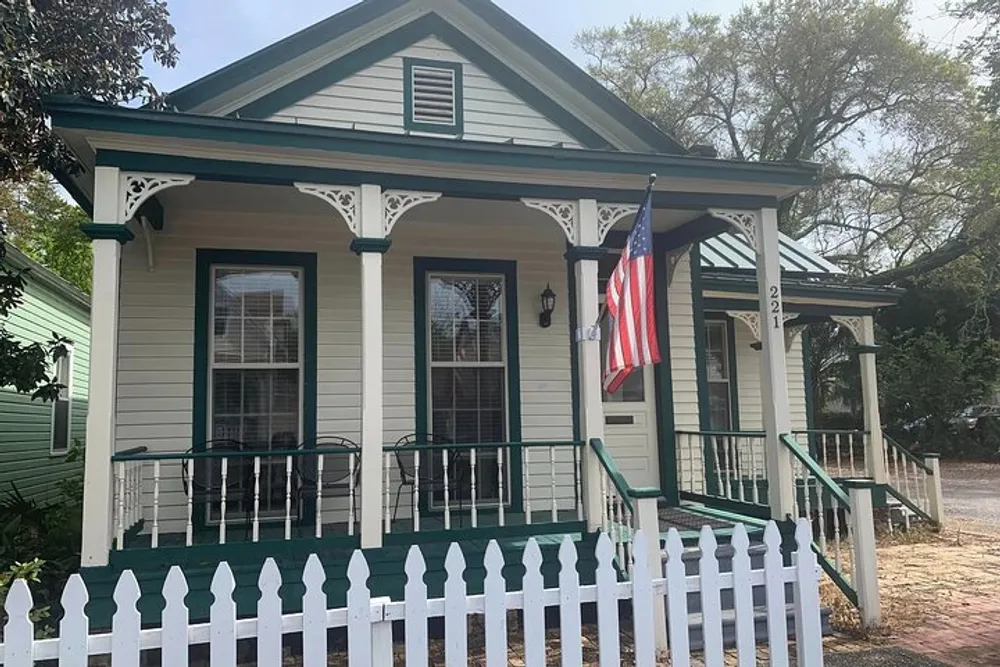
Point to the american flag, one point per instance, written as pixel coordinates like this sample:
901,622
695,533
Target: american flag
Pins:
630,304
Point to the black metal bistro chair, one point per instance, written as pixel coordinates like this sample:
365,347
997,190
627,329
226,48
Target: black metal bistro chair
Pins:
338,469
431,480
205,485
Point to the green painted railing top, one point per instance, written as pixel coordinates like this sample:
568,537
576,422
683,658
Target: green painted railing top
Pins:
890,442
483,445
726,434
242,454
830,431
625,492
817,470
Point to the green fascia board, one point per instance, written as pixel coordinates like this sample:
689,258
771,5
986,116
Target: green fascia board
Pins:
228,171
746,282
18,260
458,100
508,269
570,72
144,122
248,68
407,35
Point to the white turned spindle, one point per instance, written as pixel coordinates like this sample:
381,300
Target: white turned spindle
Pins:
319,495
189,528
472,485
416,492
288,498
500,485
579,486
155,539
527,486
552,483
387,512
447,490
222,500
837,537
849,438
256,498
120,519
351,462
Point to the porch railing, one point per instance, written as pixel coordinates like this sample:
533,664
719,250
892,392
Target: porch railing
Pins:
723,464
909,480
841,452
617,519
821,500
183,498
446,486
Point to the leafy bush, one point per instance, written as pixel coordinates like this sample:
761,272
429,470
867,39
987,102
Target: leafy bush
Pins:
40,541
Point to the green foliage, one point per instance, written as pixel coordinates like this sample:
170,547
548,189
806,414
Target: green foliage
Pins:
985,44
46,228
846,84
92,48
41,542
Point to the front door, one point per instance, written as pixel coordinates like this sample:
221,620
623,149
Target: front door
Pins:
630,423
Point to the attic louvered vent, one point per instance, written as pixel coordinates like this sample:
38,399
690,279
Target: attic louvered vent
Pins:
433,93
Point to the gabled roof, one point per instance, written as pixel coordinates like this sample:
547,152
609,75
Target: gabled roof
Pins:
298,66
730,252
44,276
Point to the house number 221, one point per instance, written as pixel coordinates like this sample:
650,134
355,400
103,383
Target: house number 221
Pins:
775,306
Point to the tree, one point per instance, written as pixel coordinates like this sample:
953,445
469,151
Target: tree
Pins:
840,82
91,48
984,46
46,228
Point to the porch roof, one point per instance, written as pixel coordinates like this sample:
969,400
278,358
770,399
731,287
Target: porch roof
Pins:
730,252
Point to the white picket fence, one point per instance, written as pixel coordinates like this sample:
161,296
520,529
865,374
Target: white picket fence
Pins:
369,621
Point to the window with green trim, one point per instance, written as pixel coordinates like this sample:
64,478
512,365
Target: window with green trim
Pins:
719,375
433,96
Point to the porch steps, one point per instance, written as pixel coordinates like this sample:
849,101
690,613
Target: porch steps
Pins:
386,565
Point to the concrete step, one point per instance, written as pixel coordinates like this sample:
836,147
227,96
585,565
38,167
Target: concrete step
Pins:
696,625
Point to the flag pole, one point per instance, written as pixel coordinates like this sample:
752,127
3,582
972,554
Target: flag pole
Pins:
649,190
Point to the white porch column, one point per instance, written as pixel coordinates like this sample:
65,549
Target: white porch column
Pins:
103,373
370,226
761,229
588,343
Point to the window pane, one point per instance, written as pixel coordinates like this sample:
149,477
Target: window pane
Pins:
60,426
633,390
717,351
259,408
718,406
256,315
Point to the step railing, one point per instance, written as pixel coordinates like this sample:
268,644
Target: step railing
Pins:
729,465
910,480
441,486
841,452
843,528
617,518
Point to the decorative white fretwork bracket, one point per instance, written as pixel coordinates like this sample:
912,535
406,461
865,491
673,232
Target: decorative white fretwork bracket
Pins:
397,202
136,187
343,198
751,318
564,212
743,221
854,324
608,216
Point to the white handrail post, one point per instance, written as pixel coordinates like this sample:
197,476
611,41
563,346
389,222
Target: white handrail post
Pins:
864,554
874,458
381,634
647,519
935,499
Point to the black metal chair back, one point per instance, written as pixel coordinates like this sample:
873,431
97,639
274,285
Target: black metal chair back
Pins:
337,468
207,478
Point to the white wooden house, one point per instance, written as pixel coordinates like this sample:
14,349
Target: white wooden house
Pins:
318,313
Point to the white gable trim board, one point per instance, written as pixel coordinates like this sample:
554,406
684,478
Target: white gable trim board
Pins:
373,100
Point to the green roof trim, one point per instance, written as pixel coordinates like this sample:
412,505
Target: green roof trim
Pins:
731,252
246,69
100,231
817,289
38,272
143,122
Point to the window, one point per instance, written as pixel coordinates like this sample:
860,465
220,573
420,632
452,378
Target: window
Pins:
432,96
633,389
468,367
719,375
62,407
255,367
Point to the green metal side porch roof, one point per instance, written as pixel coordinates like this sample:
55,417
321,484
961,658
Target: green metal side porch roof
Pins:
730,252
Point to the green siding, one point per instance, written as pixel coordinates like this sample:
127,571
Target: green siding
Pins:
25,425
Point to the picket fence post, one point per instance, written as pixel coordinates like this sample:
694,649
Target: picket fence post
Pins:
382,636
648,521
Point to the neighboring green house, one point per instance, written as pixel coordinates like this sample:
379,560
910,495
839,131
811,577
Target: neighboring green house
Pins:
35,436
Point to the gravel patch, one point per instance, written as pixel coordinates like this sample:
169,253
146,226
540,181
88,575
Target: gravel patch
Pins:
880,657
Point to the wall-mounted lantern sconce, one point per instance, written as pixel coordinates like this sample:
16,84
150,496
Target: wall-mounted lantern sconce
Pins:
548,305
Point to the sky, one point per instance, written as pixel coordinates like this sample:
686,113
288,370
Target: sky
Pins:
214,33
